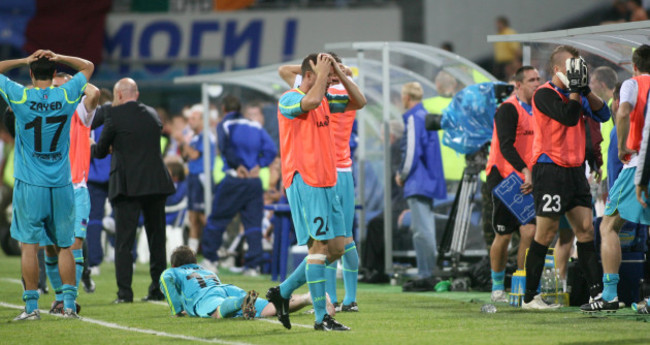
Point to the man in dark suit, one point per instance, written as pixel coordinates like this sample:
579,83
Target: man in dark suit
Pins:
138,182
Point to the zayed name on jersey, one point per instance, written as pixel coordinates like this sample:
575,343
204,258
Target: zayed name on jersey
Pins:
38,106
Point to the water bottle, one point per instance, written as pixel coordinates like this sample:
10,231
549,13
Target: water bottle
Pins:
488,308
546,281
548,284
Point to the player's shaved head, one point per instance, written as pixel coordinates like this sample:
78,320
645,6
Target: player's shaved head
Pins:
60,78
127,86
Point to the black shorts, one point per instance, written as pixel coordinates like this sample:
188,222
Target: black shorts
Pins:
503,221
558,189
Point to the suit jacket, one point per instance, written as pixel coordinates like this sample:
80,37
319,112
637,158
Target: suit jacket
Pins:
137,168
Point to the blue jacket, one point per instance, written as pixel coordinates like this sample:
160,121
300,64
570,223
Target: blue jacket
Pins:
421,167
176,205
99,167
244,142
614,165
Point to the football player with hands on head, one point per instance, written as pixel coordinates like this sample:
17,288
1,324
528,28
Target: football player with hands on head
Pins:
43,197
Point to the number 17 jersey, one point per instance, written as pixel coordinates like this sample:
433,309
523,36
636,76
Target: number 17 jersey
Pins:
43,129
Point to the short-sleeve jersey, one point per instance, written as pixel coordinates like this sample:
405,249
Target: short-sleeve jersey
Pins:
43,129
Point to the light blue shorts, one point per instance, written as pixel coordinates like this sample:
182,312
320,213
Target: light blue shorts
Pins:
207,305
43,212
81,214
622,198
316,212
81,211
345,191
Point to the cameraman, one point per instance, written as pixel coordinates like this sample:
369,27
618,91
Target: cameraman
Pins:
511,150
559,181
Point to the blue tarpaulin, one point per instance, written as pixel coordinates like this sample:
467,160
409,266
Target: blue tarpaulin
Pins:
469,118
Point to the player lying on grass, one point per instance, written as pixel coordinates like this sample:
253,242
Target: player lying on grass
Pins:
194,291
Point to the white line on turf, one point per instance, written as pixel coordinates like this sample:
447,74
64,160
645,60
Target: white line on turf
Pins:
12,280
137,330
279,323
159,303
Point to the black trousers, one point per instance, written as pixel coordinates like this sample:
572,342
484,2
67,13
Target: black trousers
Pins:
127,211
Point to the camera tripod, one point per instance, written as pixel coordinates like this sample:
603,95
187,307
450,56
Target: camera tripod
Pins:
454,239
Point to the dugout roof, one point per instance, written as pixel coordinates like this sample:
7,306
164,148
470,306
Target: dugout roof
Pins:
614,42
381,69
410,61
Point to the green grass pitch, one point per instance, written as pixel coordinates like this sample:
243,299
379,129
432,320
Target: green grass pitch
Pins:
387,316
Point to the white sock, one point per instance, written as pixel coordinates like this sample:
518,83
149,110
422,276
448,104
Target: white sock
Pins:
193,243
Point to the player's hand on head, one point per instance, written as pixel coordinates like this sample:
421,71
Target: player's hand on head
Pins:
346,70
33,57
48,54
323,63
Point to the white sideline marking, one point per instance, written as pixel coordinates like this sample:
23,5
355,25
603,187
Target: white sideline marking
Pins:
12,280
137,330
159,303
280,323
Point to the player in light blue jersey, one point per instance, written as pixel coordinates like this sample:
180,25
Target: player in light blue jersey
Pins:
43,199
192,290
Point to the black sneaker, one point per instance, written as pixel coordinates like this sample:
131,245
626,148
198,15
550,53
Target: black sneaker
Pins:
89,284
57,308
248,306
281,306
153,297
329,324
350,307
599,305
